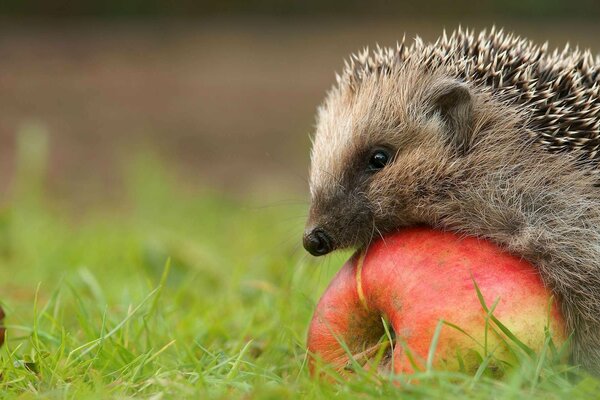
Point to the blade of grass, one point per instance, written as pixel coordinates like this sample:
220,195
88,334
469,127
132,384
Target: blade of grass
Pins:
500,325
96,342
433,346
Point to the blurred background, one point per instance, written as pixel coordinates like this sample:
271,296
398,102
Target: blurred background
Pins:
224,92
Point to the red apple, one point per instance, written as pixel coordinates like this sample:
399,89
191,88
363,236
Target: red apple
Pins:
417,277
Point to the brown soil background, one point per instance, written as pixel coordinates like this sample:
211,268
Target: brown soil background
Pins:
229,102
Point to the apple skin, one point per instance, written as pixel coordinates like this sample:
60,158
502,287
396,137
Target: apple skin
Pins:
417,277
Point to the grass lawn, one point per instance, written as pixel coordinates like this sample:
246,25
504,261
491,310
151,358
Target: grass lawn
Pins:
187,294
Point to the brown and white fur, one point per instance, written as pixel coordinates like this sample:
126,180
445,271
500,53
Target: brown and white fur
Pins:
465,157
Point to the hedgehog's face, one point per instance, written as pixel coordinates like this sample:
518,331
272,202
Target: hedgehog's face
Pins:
373,153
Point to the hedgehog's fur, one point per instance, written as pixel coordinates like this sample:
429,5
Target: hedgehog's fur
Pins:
493,136
561,89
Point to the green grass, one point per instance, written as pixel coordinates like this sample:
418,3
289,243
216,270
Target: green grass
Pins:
187,294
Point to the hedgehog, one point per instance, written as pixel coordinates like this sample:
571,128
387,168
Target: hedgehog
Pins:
485,134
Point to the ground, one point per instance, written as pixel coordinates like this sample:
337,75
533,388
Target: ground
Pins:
187,294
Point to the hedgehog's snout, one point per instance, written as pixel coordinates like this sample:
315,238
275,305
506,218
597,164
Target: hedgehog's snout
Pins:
337,219
317,242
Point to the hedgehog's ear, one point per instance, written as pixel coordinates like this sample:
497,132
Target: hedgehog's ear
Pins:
453,101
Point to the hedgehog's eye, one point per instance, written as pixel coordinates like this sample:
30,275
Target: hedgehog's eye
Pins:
378,160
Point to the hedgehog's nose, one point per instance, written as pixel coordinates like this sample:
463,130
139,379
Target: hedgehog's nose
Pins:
317,242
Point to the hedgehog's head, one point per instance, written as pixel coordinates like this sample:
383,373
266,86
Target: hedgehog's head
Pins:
381,144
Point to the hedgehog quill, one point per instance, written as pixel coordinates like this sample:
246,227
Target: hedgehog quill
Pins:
488,135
